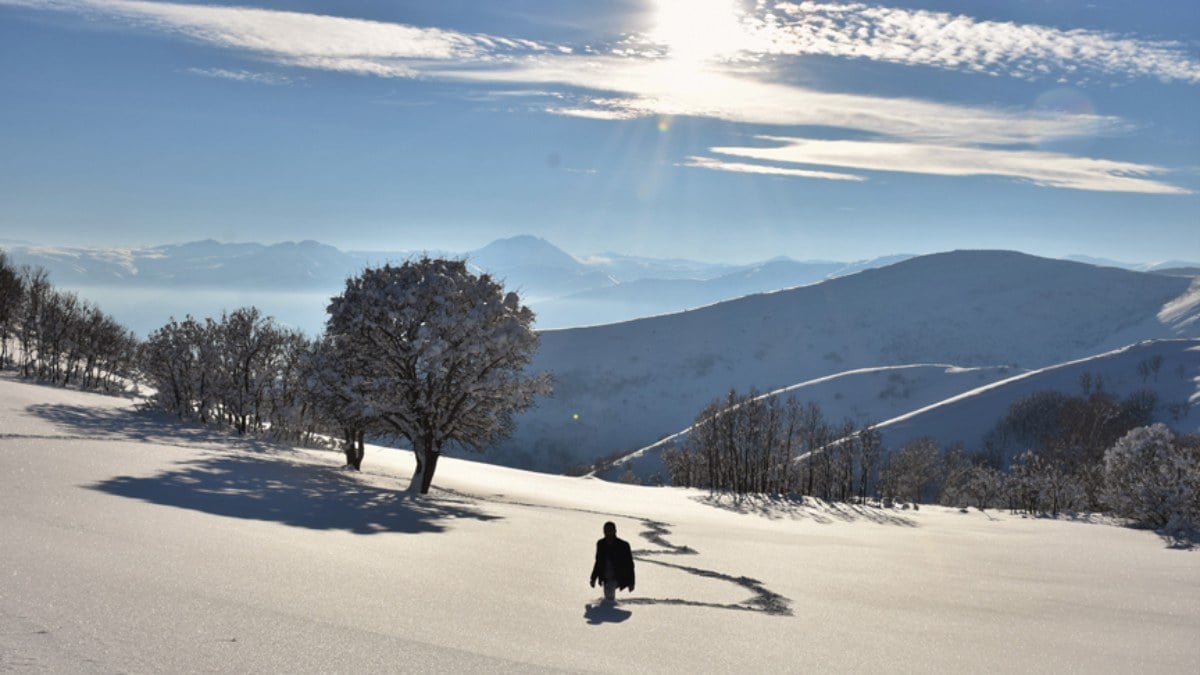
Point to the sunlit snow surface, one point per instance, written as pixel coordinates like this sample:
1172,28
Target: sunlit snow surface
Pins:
131,544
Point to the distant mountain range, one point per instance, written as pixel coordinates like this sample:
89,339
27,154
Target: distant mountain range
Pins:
563,290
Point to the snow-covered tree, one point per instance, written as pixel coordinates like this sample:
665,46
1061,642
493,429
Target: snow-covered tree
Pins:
243,370
985,486
1154,480
250,347
12,297
337,395
441,354
167,360
911,470
870,443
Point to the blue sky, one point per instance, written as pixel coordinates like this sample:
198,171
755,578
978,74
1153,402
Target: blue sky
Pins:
710,129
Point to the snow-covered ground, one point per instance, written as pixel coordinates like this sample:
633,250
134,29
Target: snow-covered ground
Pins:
131,544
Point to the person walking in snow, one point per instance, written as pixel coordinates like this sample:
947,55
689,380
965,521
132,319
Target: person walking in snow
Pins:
614,563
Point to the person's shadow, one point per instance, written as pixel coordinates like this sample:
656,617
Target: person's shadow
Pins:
597,613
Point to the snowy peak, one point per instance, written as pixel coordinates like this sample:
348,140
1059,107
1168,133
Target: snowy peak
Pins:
523,251
536,268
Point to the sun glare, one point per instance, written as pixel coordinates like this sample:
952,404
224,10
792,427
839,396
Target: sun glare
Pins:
697,30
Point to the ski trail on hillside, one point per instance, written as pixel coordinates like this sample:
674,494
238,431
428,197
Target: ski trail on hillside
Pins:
762,599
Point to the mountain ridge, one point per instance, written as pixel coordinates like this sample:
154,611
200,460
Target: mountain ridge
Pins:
966,308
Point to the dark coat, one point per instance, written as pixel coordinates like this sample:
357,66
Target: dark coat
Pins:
622,559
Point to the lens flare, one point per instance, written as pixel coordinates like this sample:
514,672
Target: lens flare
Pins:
1073,104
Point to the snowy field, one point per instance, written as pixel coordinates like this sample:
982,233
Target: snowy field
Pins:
130,544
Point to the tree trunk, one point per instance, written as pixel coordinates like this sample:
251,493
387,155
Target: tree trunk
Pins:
349,448
427,454
431,460
418,476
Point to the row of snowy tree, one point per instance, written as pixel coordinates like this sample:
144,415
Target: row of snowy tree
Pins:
750,443
427,352
1051,453
242,370
55,336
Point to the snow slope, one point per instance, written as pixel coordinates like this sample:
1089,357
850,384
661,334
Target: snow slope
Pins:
624,386
967,418
863,396
131,544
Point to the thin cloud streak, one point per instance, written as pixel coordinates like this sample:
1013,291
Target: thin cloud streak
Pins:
1041,168
241,76
741,167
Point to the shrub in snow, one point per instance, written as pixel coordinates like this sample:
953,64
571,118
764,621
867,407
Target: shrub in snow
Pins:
975,485
1039,485
909,473
1154,480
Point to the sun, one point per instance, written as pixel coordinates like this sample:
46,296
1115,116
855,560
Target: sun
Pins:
697,30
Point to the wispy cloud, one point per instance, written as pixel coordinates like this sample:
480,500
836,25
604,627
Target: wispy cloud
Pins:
742,94
957,42
1042,168
304,40
241,75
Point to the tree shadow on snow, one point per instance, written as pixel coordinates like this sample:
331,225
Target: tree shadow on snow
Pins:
1181,541
150,426
802,508
597,613
269,487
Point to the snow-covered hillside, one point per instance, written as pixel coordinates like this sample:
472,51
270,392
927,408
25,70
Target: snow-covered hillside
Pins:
132,544
624,386
1168,368
661,293
965,419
